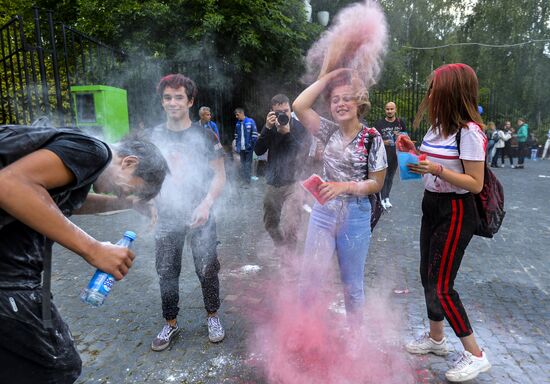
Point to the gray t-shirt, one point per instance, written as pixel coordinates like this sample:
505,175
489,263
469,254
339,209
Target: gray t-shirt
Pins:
189,153
344,161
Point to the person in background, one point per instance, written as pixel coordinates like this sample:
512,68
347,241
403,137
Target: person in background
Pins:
285,140
246,135
46,175
522,135
492,137
546,145
185,207
511,145
502,136
390,128
206,122
451,176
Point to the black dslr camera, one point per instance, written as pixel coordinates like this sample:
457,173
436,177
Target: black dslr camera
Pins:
282,118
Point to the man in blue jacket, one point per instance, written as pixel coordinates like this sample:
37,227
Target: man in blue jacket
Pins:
246,135
206,120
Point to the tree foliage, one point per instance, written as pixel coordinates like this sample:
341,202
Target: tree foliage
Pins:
253,43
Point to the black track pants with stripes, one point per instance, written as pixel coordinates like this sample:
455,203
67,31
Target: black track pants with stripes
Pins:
448,224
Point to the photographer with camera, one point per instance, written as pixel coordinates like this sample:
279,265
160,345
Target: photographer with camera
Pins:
287,142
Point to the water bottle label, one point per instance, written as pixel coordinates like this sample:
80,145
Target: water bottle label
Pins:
101,282
107,285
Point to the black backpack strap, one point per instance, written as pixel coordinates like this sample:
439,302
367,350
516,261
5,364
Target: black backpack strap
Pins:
46,286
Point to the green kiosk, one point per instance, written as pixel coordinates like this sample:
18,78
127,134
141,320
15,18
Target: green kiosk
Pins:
101,111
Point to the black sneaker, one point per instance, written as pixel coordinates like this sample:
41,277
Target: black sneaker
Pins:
164,338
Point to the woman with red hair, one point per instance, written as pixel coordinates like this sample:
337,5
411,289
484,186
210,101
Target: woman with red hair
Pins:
452,172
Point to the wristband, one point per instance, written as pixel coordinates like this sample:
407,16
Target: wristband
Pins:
438,171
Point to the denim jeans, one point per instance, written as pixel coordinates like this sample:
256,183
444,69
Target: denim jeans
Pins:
341,225
246,166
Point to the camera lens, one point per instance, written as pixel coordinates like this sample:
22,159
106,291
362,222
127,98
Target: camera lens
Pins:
282,118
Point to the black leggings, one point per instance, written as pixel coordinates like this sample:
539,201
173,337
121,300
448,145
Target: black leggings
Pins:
390,172
448,224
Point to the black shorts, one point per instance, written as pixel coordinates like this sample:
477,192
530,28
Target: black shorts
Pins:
30,353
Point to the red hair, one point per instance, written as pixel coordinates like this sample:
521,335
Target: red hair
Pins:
451,100
176,81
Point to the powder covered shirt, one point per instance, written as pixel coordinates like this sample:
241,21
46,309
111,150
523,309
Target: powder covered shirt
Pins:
347,161
443,150
189,153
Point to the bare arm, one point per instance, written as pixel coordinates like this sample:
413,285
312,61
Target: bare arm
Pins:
303,106
373,184
471,180
24,195
96,203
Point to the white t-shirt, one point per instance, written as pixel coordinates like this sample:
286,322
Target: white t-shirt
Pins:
444,151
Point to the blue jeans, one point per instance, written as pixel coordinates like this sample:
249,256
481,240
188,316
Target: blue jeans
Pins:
246,166
341,225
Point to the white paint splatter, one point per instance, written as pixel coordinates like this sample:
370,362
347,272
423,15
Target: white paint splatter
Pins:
250,268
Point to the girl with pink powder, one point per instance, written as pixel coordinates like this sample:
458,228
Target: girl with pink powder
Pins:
346,61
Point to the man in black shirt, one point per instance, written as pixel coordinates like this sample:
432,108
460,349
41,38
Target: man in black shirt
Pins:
390,128
185,206
287,142
45,176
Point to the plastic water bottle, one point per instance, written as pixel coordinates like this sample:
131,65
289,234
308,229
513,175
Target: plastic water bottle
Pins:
101,283
534,154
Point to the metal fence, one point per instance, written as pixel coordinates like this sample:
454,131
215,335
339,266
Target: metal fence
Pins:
40,61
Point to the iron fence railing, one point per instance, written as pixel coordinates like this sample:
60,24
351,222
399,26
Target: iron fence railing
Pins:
40,61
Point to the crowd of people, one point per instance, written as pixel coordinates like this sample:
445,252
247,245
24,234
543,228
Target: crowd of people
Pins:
505,141
175,172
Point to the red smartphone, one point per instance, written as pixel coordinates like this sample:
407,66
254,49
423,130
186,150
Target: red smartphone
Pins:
311,184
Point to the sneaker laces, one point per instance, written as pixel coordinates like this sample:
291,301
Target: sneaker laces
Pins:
164,334
423,338
463,362
214,322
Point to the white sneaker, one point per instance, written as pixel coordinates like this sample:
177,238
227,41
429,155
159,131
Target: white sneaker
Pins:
468,367
216,332
425,344
383,202
388,204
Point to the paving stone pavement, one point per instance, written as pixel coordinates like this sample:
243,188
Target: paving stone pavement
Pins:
504,283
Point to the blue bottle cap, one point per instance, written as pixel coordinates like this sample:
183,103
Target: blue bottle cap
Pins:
130,234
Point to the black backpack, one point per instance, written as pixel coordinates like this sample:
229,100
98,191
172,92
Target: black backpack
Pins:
489,202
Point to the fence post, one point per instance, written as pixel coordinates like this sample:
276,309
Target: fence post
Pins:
67,73
5,115
57,81
41,65
25,68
